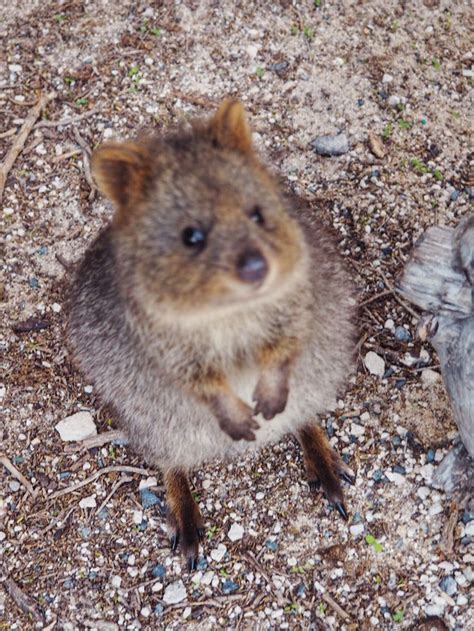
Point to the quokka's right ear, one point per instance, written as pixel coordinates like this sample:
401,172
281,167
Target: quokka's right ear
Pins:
122,171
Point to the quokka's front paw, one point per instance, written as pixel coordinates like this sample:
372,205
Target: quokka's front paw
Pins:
271,394
239,424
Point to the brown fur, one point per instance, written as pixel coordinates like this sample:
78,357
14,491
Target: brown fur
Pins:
195,359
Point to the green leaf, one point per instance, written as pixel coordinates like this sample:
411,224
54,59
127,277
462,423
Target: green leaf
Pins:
134,70
259,72
436,64
398,616
308,33
370,539
81,101
437,175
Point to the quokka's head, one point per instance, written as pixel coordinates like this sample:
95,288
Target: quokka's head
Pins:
199,222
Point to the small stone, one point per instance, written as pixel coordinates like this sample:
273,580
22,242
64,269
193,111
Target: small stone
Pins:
398,468
88,502
394,100
430,455
387,78
174,593
435,610
429,377
278,67
34,282
461,600
448,585
329,145
236,532
3,535
389,324
145,612
435,509
14,486
116,581
396,478
423,492
376,146
201,564
374,364
218,553
454,195
148,498
158,610
55,307
77,427
86,532
147,483
357,430
271,545
469,529
229,586
357,530
402,335
68,583
158,571
377,475
466,517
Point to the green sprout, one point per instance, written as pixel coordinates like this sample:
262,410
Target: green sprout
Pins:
81,101
60,18
308,33
259,71
419,166
437,175
372,541
294,30
387,131
436,64
398,616
318,3
404,124
291,608
133,72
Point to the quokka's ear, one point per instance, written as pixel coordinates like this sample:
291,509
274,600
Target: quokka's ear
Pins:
229,127
122,171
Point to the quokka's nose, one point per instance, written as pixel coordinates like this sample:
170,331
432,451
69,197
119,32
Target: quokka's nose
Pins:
252,266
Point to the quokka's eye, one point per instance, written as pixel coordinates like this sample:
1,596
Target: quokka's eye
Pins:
193,237
256,215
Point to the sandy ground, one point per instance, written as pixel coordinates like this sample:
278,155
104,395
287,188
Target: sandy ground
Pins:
399,70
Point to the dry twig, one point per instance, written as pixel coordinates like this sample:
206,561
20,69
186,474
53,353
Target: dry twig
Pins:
97,474
401,302
86,154
20,140
96,441
8,133
22,600
67,121
17,474
125,479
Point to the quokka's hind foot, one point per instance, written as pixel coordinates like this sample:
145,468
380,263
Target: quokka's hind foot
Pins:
324,467
184,518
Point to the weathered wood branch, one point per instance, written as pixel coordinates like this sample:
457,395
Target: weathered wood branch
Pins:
440,280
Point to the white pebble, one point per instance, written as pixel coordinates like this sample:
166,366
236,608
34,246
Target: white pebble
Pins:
218,553
374,364
396,478
88,502
116,581
357,530
174,593
434,610
145,612
429,377
423,492
236,532
77,427
387,78
147,483
435,509
357,430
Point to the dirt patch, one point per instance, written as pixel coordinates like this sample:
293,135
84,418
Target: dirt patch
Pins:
398,70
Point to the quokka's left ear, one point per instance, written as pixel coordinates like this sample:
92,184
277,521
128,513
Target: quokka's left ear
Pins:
229,127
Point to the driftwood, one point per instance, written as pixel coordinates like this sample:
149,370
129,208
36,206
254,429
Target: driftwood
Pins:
440,280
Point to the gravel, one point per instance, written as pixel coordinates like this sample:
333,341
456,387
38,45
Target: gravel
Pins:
302,72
